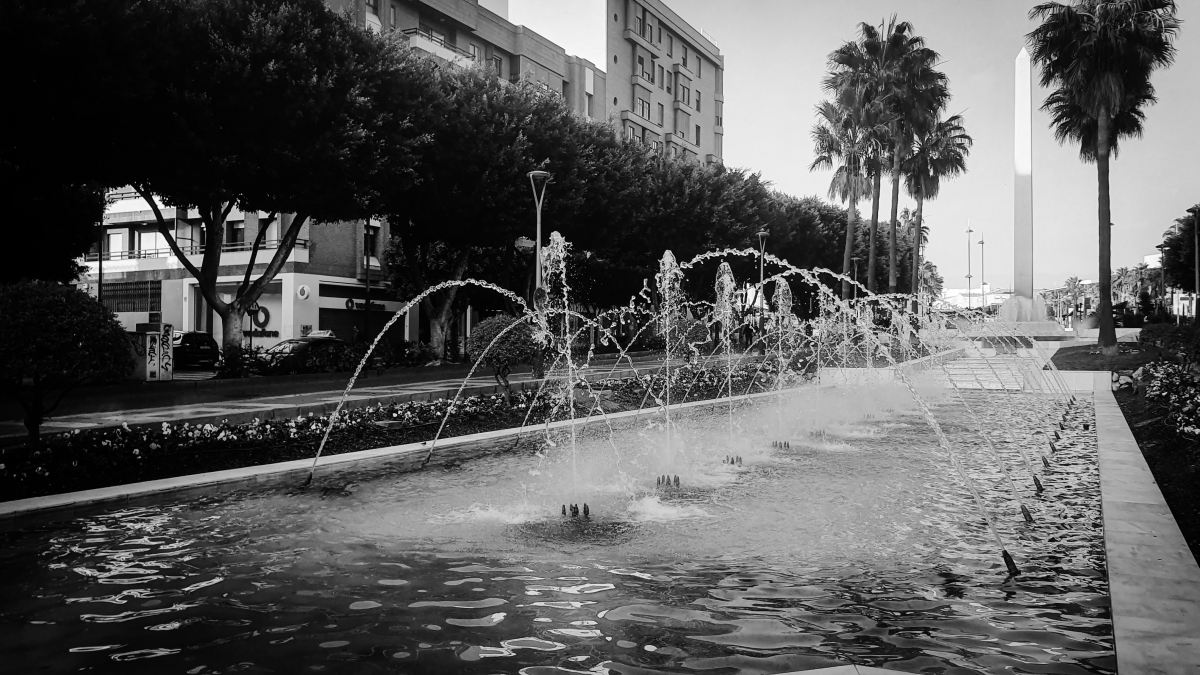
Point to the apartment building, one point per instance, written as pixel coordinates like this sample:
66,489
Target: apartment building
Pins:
674,98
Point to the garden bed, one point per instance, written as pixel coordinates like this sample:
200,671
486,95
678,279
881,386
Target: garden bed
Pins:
83,460
1171,447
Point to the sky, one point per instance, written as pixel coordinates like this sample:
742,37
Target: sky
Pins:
775,57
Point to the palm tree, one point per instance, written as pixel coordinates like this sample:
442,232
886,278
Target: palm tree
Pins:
895,68
941,152
1123,278
931,280
1098,55
1072,287
846,132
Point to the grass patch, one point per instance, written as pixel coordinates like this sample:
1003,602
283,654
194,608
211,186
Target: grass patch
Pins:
1130,356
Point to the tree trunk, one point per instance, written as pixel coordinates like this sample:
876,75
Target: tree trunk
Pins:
440,314
916,252
34,416
849,252
231,314
1107,340
893,259
874,229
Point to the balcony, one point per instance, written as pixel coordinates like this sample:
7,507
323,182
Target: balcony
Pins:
642,42
437,46
164,258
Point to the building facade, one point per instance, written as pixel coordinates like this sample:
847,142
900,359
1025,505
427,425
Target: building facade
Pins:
665,80
663,88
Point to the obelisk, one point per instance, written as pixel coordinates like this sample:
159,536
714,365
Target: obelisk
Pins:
1023,180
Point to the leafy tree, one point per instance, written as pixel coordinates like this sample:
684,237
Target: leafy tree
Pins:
1098,56
940,152
57,225
52,339
474,200
1073,288
516,346
932,282
270,105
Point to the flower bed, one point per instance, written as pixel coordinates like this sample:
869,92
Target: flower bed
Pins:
696,383
89,459
1175,389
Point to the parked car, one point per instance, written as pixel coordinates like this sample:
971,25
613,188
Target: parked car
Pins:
302,354
195,350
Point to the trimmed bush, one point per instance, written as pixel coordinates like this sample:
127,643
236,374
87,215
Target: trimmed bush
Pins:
52,339
514,346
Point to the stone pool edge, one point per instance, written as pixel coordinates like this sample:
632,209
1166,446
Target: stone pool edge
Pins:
400,458
1153,579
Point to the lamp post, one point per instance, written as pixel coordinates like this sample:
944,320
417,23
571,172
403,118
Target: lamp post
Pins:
982,279
1162,273
367,268
534,178
1195,211
969,231
762,292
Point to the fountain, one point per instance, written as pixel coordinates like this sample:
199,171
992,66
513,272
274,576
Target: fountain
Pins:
802,490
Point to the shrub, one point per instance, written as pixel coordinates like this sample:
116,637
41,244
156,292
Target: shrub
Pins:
52,339
1154,333
239,361
1171,386
515,346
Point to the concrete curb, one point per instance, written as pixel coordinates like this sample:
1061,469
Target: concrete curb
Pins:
1153,579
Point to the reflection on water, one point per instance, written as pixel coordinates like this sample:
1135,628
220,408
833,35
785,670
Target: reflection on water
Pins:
855,545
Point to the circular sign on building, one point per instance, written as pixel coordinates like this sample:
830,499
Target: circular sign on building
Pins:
349,303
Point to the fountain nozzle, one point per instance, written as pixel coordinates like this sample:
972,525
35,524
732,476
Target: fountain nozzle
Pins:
1037,484
1025,512
676,481
564,511
1086,426
587,513
1053,447
1045,462
1009,563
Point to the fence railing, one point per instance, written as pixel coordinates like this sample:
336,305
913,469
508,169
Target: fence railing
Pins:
189,250
437,40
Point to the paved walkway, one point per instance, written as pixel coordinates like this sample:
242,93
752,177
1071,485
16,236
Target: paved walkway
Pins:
317,403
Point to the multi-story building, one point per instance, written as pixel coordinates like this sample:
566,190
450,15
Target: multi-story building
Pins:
665,80
673,101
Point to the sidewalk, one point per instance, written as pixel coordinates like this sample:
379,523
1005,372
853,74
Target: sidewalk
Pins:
317,403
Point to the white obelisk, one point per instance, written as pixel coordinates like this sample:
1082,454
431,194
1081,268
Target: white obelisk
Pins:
1023,180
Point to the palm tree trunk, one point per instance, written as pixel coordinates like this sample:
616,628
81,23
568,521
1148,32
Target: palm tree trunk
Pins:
893,262
1107,340
849,252
916,252
874,230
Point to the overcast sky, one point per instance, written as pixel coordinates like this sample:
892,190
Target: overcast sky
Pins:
775,56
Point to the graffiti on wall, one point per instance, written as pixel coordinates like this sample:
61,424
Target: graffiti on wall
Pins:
166,358
151,356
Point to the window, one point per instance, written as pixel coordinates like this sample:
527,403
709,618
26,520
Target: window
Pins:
641,69
373,7
114,242
496,61
235,233
657,145
720,120
474,49
370,236
697,134
639,26
670,45
684,94
661,78
697,101
659,33
630,133
699,67
683,54
588,103
661,109
643,108
719,145
392,13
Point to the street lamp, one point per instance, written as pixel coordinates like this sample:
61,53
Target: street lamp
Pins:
534,178
762,252
1162,273
1195,211
982,278
969,231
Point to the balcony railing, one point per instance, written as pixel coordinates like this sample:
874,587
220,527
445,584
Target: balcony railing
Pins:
187,250
437,40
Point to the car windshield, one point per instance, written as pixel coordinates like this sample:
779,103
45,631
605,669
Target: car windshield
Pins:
284,347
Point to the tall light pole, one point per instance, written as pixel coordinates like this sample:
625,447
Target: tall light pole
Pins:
969,231
1195,211
982,278
534,178
762,292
